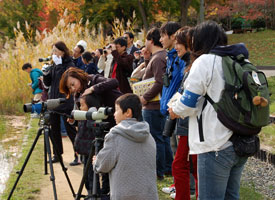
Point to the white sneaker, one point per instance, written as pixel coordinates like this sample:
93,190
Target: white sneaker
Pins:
168,190
173,195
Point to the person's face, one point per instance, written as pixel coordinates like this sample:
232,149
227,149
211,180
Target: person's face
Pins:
166,41
84,61
73,85
119,115
180,48
129,40
148,45
28,70
57,52
97,53
76,52
83,105
120,49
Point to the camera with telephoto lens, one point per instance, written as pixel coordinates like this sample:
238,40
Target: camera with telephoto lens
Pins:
49,58
169,127
43,106
92,114
95,118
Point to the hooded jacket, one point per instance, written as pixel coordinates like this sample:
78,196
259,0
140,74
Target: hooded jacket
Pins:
206,76
129,156
35,74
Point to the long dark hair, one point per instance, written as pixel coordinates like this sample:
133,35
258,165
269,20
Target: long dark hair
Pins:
60,45
73,72
206,36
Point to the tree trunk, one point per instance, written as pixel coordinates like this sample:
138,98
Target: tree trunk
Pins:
143,15
184,11
201,11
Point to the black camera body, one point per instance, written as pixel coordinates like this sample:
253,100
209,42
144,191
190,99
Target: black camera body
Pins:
169,127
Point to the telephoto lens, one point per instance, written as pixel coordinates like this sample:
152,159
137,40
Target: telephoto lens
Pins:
169,127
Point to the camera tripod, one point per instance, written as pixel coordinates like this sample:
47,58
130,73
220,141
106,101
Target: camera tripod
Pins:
45,128
98,130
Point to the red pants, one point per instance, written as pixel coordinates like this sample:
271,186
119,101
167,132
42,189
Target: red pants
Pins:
181,170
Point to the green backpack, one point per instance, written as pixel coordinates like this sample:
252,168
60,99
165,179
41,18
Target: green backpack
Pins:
235,109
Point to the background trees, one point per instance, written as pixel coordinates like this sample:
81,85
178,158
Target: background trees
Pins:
45,14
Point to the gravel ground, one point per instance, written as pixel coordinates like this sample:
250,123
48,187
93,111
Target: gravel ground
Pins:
261,175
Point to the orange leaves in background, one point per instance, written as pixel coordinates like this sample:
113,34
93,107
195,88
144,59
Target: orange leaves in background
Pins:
53,10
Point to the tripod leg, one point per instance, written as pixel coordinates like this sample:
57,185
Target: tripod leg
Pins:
52,178
45,157
25,162
64,169
86,167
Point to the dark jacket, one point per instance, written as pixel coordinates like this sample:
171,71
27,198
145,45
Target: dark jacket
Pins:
124,70
78,63
84,138
91,68
52,80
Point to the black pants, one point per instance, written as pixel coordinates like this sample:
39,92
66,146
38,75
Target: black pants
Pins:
56,131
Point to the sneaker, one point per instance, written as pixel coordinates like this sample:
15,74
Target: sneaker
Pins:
169,190
173,195
75,162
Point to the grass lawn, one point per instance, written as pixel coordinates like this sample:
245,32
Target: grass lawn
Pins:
246,193
261,46
30,182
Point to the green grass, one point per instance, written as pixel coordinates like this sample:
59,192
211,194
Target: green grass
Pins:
30,182
2,126
261,46
246,192
271,87
267,137
249,193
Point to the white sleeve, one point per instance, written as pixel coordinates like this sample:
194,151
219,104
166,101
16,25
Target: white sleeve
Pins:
195,86
101,63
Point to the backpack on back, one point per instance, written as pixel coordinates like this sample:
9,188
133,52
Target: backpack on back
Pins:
244,84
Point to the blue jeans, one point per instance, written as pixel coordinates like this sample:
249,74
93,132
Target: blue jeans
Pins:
164,153
220,174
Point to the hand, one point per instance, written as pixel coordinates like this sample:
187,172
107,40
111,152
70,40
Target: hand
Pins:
94,159
172,114
88,91
70,120
146,54
137,55
142,100
113,47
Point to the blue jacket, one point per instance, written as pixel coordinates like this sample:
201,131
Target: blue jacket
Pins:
175,66
35,74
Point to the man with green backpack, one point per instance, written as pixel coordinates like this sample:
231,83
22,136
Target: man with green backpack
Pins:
223,119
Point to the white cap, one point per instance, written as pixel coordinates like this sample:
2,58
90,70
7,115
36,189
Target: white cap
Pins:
139,42
83,44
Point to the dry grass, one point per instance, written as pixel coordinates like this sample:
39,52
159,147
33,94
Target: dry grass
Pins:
14,91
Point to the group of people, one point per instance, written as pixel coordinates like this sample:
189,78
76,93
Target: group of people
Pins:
135,153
